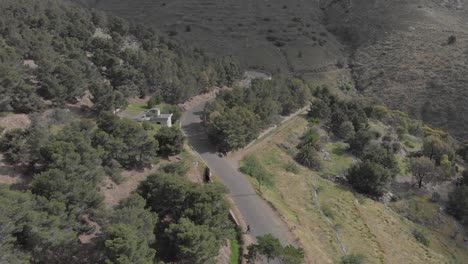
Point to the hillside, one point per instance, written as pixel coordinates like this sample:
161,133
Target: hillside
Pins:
330,220
81,184
266,34
397,50
402,57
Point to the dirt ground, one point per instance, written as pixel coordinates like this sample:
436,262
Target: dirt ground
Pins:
11,121
114,193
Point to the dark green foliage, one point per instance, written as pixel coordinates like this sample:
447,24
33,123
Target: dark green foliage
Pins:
292,255
70,188
308,149
237,116
196,216
234,128
153,101
369,177
123,245
125,141
458,203
33,229
360,140
14,146
105,98
269,247
192,243
434,148
319,109
451,40
60,39
346,130
463,150
171,140
132,211
353,259
421,237
343,118
378,154
464,180
174,110
309,157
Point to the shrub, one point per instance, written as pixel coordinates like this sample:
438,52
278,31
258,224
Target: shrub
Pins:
353,259
409,144
435,197
369,177
292,167
155,100
328,212
251,166
147,126
451,40
178,168
421,237
309,157
458,204
174,110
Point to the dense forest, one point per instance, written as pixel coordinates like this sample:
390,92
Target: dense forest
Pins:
237,116
52,52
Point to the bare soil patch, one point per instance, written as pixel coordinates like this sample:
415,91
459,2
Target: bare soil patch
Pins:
114,193
12,121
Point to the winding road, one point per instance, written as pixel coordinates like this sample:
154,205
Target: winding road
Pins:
255,211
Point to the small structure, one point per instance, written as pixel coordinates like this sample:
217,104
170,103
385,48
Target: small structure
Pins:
154,115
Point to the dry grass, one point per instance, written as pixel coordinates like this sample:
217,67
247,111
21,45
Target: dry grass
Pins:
11,121
366,226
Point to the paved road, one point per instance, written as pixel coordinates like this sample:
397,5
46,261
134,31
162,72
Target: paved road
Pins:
256,212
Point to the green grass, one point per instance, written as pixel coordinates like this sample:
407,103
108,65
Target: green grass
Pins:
235,252
136,108
340,160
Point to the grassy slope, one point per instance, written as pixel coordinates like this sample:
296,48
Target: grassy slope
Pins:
366,226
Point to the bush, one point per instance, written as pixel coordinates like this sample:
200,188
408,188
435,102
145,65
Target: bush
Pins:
308,156
451,40
292,167
178,168
369,177
171,140
435,197
147,126
353,259
328,212
421,237
458,204
155,100
174,110
251,166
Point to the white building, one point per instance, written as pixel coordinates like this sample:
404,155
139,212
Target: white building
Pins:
154,115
